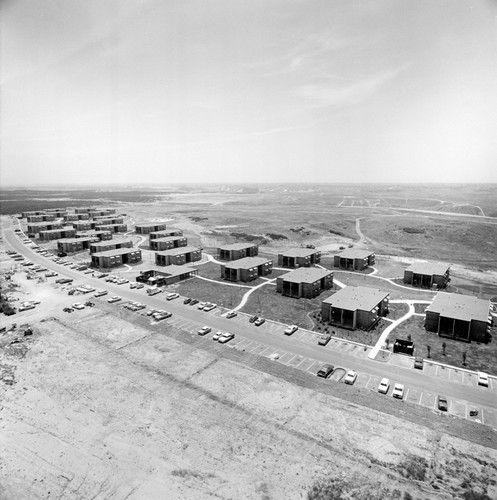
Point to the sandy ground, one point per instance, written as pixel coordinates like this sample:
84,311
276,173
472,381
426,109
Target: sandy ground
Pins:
106,405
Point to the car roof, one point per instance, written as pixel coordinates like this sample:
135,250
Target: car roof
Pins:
384,380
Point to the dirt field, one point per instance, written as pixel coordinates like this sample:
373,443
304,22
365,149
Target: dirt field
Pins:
107,405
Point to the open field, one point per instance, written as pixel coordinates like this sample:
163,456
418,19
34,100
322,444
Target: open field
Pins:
107,403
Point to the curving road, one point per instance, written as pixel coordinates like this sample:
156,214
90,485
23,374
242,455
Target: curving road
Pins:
415,379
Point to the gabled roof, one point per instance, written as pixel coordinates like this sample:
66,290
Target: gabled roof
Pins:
355,253
306,275
247,263
353,298
463,307
428,268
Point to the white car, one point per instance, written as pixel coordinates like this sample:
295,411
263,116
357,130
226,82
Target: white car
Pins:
100,293
116,298
398,391
122,281
78,305
350,378
201,305
482,379
226,337
209,307
291,330
217,335
172,296
384,386
26,307
204,330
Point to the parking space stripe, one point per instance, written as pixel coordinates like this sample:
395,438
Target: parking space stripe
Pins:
268,349
298,366
291,359
367,383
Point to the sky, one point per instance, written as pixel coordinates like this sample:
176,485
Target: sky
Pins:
156,92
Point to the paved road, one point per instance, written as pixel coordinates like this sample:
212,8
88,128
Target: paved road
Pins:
413,379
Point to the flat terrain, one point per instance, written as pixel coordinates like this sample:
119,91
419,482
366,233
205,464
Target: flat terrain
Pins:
110,404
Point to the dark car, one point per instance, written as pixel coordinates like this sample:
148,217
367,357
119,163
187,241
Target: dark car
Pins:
442,403
193,302
418,363
61,254
187,300
324,339
64,280
325,371
253,319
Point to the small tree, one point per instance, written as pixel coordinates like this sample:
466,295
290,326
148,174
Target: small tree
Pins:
409,338
444,345
428,348
464,358
387,343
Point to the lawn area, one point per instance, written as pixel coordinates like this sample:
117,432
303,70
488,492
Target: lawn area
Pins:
355,279
479,357
222,295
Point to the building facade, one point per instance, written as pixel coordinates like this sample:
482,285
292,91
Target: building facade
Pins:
113,228
355,307
154,235
354,259
299,257
76,217
57,234
168,243
427,275
172,274
70,245
178,256
150,227
116,258
40,218
104,246
237,251
43,226
100,235
304,282
459,317
246,269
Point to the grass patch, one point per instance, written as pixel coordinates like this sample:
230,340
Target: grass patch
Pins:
222,295
479,357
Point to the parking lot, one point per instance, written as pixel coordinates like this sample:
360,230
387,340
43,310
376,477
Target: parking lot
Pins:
457,408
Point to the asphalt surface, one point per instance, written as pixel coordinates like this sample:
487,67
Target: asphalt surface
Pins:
412,379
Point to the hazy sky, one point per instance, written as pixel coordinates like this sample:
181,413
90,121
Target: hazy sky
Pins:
248,90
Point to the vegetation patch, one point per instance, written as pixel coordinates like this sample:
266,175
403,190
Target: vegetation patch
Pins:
413,467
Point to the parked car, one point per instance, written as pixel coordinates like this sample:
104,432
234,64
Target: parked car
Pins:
172,296
418,363
201,305
139,285
324,339
482,379
442,403
193,302
78,305
231,314
209,307
88,271
325,371
101,293
50,274
259,321
89,303
291,330
122,281
398,391
113,299
350,378
25,307
68,309
217,335
162,315
187,300
253,319
132,285
226,337
384,386
204,330
63,281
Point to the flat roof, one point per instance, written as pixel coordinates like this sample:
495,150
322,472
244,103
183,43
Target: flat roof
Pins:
90,232
166,231
306,275
116,251
353,298
355,253
170,238
58,230
106,243
247,263
178,251
149,224
237,246
428,268
298,252
463,307
77,240
174,270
